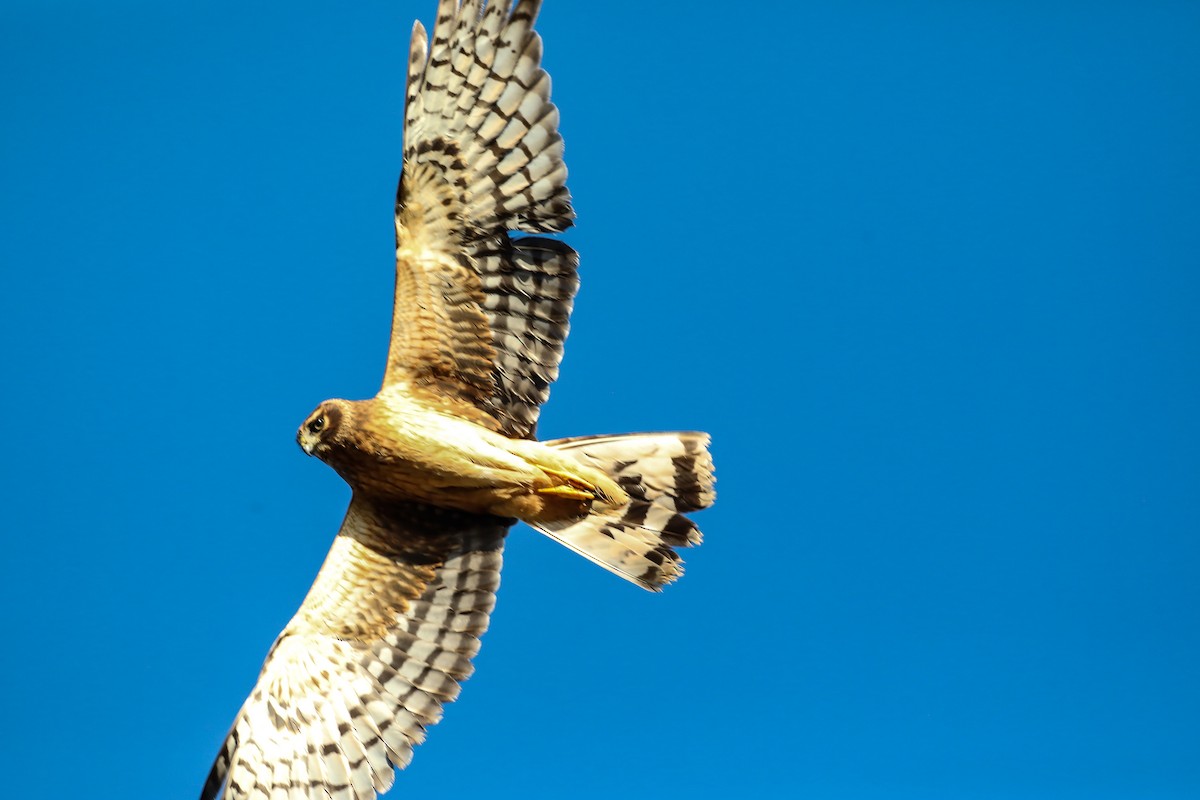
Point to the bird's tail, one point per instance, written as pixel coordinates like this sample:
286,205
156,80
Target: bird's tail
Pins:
666,475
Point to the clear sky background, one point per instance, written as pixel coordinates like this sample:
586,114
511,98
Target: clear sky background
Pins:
929,272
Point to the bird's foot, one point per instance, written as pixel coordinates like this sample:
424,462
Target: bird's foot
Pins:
572,487
567,492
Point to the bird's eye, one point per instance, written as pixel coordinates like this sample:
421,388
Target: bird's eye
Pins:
317,425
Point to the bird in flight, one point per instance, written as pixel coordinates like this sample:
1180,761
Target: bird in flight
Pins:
444,459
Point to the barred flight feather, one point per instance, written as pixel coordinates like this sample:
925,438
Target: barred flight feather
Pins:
483,159
343,698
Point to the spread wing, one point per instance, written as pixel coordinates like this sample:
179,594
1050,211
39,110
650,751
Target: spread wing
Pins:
380,643
480,316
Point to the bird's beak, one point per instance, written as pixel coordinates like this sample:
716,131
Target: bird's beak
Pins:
305,446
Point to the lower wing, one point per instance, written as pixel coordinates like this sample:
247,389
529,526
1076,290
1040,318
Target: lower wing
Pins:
380,643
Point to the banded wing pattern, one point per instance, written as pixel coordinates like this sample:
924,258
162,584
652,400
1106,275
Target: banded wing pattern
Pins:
481,315
379,645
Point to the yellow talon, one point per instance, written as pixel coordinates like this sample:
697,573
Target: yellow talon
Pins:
577,488
568,492
566,477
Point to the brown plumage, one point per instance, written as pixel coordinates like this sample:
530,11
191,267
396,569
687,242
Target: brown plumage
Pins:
443,459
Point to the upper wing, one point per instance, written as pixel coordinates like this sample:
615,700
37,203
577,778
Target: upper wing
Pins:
382,640
480,317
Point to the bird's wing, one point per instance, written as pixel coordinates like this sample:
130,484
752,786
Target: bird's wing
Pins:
380,643
480,315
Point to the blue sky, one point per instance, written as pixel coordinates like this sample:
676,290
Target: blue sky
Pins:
927,271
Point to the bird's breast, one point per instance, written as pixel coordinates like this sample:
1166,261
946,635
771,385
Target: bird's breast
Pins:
405,450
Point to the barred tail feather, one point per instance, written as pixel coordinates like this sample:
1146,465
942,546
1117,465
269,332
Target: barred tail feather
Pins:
667,475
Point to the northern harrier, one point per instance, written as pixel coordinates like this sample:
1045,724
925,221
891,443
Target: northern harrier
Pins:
443,460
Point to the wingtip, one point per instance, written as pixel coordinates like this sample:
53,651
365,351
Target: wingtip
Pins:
418,41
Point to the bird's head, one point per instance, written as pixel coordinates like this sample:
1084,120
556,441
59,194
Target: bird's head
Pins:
321,431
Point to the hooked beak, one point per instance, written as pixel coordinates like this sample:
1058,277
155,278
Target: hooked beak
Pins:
306,446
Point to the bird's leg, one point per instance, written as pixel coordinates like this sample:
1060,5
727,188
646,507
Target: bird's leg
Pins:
567,478
567,492
573,487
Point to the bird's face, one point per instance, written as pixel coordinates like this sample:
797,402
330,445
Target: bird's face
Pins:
317,434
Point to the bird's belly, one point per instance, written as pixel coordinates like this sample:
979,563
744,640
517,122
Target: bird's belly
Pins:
446,461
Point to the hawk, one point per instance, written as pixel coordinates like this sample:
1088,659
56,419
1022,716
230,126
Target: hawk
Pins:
443,460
